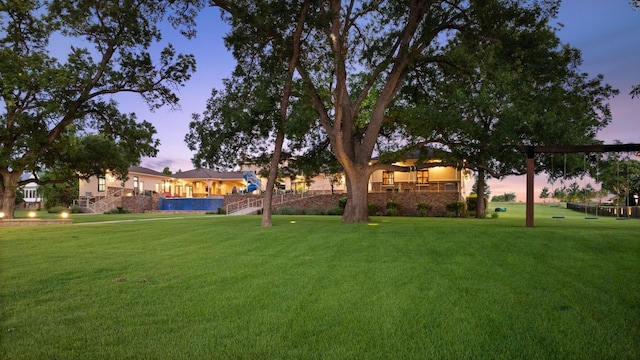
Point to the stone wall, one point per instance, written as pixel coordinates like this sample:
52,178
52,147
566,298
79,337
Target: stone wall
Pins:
139,204
32,222
408,201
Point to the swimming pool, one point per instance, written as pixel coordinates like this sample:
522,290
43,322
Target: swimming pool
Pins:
208,203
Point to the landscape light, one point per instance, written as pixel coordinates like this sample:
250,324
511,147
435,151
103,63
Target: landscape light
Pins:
1,215
32,214
64,214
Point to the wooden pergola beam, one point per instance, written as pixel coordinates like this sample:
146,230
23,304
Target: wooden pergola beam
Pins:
532,150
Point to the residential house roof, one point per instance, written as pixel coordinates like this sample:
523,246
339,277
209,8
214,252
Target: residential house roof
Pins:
146,171
208,174
190,174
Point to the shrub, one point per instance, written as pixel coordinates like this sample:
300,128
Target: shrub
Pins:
117,210
314,211
222,211
56,209
424,209
75,209
393,205
392,208
372,209
335,211
472,202
342,202
456,209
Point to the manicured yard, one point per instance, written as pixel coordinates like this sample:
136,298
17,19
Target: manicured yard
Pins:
218,287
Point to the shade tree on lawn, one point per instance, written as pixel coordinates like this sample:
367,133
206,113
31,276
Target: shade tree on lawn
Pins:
262,115
620,175
544,194
60,114
354,59
515,85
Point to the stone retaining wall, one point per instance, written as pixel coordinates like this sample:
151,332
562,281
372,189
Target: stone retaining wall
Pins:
139,204
408,201
33,222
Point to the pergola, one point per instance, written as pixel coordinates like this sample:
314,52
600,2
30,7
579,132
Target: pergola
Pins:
532,150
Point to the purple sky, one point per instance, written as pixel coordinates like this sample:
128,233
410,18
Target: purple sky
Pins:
606,31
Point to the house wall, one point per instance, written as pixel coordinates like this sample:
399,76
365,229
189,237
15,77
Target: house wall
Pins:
31,198
438,173
145,183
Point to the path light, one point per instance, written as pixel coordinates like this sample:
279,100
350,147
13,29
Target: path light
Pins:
32,214
64,214
1,215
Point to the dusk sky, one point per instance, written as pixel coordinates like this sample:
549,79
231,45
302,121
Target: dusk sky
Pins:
606,31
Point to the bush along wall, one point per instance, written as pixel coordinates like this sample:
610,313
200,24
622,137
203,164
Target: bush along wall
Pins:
472,203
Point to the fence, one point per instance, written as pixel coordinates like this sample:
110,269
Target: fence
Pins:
606,210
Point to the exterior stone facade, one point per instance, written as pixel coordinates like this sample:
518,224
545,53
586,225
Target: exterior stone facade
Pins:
140,204
408,201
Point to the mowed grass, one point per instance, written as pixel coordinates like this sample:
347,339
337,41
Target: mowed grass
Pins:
311,287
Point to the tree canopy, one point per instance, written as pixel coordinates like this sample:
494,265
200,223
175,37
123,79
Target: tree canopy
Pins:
61,114
356,57
491,96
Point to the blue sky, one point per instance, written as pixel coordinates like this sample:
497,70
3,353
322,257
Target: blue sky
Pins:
606,31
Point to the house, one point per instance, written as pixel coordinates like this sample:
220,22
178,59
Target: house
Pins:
30,195
320,184
104,193
429,178
141,180
405,176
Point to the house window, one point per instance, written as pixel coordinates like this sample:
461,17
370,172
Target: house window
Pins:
422,177
387,178
135,182
102,183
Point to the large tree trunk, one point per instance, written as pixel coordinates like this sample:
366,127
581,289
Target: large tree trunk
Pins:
357,210
271,181
480,205
8,188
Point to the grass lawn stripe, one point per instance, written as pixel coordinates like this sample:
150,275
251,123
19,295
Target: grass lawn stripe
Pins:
223,287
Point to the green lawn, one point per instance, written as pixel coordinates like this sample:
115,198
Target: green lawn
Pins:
217,287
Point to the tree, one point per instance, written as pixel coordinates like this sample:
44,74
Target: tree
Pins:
621,176
560,194
54,112
573,192
506,197
253,114
58,193
355,58
474,187
544,194
513,85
